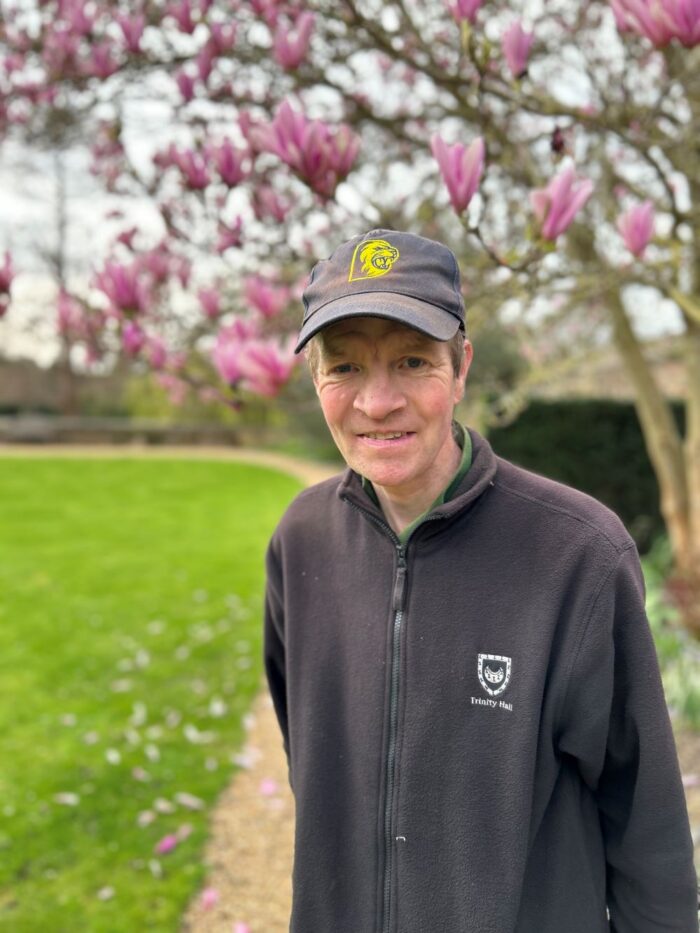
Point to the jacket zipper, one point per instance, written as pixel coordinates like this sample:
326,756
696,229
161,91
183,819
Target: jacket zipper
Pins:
397,605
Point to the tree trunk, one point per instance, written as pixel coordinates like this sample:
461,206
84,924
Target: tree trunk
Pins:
670,458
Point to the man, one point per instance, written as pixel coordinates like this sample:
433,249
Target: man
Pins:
457,652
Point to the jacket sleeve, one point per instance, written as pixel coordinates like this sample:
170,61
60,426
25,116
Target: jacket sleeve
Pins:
274,645
616,725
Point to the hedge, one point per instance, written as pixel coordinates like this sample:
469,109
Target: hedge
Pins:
595,445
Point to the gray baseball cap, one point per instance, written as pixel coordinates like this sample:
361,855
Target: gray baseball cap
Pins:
388,274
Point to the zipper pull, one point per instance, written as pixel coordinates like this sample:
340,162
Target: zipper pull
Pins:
399,581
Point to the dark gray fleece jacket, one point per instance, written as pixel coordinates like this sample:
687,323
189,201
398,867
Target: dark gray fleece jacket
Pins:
476,732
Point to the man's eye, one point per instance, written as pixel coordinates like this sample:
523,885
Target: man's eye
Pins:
342,368
413,362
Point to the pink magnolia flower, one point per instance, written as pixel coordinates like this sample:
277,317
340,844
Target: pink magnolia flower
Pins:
132,29
461,168
516,44
465,10
636,226
133,338
319,157
79,15
266,297
266,202
7,274
69,315
185,84
239,927
291,47
205,61
102,62
660,21
227,351
193,167
228,161
156,352
124,286
266,365
230,235
556,205
181,12
223,36
210,301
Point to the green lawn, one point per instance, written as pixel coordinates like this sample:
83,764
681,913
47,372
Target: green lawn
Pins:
130,643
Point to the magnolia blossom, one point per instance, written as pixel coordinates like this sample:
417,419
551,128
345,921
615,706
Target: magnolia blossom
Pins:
132,29
7,274
660,21
133,338
230,235
461,168
516,44
319,156
185,84
266,297
223,36
124,286
291,47
156,352
266,365
266,202
228,349
70,318
102,62
193,167
181,12
228,161
636,226
556,205
210,301
465,10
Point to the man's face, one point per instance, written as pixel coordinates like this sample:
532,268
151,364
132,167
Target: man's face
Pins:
387,393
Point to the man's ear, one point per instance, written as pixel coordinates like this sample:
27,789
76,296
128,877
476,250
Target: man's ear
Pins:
464,370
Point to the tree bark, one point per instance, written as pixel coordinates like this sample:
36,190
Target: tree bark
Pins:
661,435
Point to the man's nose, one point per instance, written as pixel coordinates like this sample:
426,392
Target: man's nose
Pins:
379,395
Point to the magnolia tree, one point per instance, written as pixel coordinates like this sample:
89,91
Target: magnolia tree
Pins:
555,151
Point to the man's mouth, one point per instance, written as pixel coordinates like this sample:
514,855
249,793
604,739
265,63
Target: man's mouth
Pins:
385,435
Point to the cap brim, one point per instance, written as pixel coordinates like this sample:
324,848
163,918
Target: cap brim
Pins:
426,318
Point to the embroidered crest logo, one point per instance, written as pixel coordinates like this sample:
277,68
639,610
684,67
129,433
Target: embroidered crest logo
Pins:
371,259
494,673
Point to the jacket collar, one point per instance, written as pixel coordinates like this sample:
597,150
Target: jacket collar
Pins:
478,478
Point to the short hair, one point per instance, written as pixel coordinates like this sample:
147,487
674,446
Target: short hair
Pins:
455,346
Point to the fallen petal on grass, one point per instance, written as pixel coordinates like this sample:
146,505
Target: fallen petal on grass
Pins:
166,844
161,805
106,893
691,780
67,799
189,801
145,818
139,774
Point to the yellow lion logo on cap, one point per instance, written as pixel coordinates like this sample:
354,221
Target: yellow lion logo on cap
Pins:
372,258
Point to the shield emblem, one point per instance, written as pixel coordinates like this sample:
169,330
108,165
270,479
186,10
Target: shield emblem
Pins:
494,673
